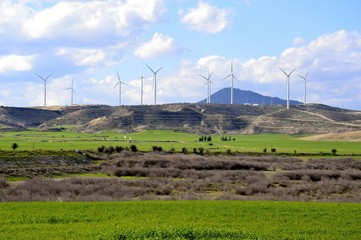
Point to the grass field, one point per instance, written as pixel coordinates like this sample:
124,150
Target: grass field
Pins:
70,140
180,220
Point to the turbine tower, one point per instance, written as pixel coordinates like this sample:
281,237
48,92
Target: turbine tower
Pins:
154,84
120,88
288,82
72,92
305,78
231,75
208,83
44,79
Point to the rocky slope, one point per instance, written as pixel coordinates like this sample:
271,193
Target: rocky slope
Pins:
196,118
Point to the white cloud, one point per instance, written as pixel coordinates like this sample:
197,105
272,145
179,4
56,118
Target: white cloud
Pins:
159,45
15,63
93,19
206,18
83,57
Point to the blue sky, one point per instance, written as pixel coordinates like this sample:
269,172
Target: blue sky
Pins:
90,40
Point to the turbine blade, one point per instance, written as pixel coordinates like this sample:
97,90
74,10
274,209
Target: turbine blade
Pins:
151,69
283,71
40,76
118,76
48,76
307,74
291,72
204,77
226,77
304,78
158,70
116,85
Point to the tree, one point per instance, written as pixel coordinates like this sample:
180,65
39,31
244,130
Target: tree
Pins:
209,138
184,150
334,151
133,148
201,150
101,149
14,146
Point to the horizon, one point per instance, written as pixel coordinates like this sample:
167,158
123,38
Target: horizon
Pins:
91,40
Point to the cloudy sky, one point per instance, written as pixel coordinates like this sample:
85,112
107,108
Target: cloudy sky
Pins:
91,40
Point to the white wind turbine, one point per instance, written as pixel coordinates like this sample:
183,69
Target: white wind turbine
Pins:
231,75
44,79
208,83
288,82
141,78
119,83
72,92
154,83
304,78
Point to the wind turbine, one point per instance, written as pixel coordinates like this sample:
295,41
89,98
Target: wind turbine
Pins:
232,82
208,83
288,86
120,88
154,83
304,78
141,78
72,92
44,79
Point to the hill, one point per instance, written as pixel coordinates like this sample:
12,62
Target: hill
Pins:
223,96
194,118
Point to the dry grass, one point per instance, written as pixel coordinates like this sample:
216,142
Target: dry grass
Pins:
344,136
178,176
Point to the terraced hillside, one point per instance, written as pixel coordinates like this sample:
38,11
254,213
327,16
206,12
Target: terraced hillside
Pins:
196,118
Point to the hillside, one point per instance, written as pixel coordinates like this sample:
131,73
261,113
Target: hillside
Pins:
245,97
195,118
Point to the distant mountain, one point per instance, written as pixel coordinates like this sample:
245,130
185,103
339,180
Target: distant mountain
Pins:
223,96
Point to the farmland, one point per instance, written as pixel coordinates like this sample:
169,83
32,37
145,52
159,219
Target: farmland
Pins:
71,140
180,220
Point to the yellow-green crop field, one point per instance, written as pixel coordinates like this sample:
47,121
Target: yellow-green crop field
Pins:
71,140
180,220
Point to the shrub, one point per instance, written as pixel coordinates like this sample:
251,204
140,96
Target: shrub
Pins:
195,150
228,151
334,151
101,149
184,150
119,149
209,138
264,150
133,148
273,150
201,150
14,146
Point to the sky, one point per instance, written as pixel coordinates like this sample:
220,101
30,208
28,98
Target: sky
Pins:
89,41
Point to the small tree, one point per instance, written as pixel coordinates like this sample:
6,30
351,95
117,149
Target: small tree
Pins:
264,150
273,150
209,138
201,150
334,151
14,146
101,149
184,150
133,148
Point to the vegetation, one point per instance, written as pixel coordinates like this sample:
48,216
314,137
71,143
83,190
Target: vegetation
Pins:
162,175
70,140
180,220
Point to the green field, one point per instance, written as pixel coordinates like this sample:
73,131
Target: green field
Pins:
71,140
180,220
